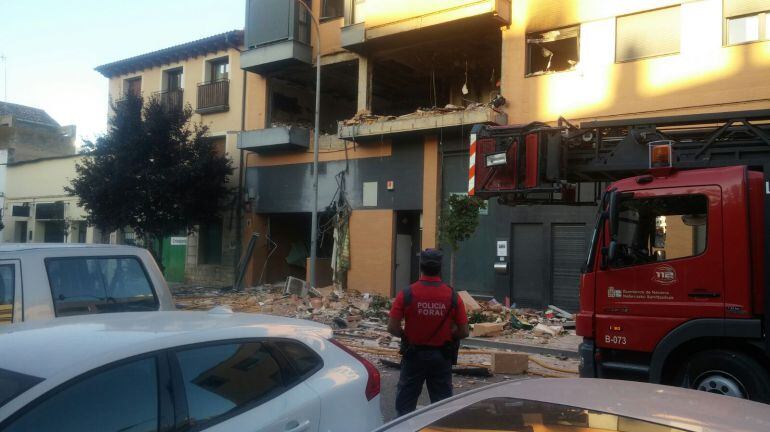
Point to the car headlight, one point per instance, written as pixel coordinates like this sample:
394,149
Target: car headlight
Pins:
496,159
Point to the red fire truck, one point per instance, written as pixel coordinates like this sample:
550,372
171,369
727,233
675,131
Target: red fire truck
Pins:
675,285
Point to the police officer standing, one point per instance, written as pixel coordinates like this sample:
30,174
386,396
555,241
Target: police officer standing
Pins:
435,322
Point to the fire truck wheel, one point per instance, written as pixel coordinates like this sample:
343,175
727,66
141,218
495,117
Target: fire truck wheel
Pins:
730,373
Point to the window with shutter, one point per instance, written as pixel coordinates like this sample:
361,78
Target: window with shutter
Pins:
746,21
648,34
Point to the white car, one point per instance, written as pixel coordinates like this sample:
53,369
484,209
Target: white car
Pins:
161,371
41,281
585,405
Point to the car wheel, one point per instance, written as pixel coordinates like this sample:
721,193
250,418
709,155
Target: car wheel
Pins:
728,373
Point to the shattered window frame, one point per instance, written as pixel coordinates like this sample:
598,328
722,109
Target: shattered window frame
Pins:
533,39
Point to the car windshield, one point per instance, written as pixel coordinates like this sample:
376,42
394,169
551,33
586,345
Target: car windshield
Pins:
99,285
13,384
519,415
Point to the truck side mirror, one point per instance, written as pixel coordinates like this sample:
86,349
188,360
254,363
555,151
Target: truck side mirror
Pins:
612,209
612,251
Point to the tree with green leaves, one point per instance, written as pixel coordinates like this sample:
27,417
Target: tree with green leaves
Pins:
458,222
154,171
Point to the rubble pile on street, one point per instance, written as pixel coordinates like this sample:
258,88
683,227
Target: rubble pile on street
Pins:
491,319
360,321
336,308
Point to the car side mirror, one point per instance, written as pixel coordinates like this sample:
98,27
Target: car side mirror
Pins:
612,251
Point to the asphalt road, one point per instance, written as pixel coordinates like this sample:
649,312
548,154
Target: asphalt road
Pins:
389,381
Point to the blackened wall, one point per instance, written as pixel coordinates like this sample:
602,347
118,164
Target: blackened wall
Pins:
289,188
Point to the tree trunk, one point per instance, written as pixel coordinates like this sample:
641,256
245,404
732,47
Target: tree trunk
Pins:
452,268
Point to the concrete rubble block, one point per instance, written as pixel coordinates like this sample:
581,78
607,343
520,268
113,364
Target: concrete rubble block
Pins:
509,363
316,303
471,305
487,329
542,329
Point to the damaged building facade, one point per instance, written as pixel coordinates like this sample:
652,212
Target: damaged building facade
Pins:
394,103
402,84
404,81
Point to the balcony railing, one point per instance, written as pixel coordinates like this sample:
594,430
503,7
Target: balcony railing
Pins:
213,96
171,100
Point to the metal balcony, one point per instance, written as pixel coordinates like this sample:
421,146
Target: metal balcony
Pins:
171,100
213,97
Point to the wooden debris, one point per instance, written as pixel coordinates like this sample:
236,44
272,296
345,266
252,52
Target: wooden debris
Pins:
487,329
471,305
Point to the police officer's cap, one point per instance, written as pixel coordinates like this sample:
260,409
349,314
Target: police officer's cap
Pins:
431,257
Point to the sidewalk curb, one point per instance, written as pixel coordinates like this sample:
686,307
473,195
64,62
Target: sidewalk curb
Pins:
484,343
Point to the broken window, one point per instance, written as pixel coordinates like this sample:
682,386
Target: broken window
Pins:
553,51
447,71
292,97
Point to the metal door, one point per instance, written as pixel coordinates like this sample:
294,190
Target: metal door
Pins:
403,261
568,248
174,256
527,264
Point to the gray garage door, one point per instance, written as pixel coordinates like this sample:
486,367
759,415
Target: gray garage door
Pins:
568,253
527,264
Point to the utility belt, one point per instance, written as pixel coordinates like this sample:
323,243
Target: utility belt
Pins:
449,350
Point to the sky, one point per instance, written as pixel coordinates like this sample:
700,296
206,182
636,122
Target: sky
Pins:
52,47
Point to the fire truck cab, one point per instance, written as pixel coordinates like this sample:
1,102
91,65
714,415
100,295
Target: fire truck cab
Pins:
674,287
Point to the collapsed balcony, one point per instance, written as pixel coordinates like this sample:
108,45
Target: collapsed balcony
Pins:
451,80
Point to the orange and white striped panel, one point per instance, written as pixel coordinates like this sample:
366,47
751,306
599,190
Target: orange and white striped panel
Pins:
472,167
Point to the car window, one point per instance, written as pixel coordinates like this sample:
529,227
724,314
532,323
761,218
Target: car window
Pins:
7,288
510,414
87,285
122,398
219,379
13,384
303,359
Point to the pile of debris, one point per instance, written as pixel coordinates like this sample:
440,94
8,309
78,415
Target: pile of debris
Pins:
360,321
329,305
365,316
491,318
366,117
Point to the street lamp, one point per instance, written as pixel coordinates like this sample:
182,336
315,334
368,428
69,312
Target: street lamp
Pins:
314,223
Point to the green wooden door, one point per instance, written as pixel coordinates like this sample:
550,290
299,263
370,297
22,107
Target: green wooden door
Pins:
174,256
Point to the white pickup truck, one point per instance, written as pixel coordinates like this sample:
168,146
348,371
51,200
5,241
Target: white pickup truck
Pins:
44,281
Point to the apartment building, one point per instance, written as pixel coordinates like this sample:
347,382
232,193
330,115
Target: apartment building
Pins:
404,81
205,74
